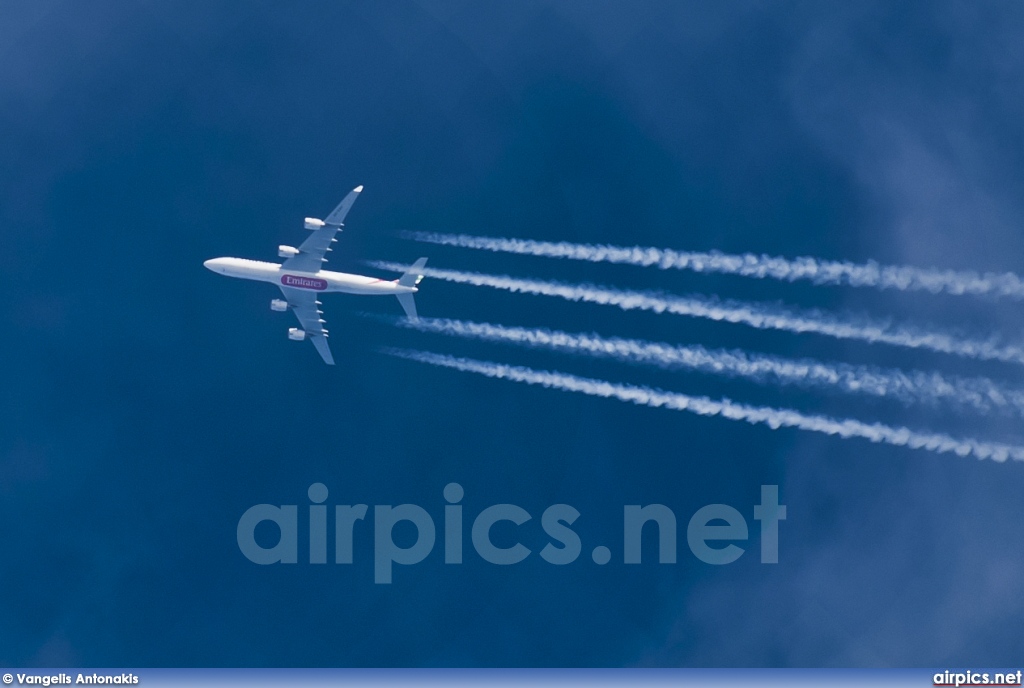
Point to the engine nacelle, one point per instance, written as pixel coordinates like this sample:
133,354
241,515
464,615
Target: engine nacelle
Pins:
287,251
313,224
279,305
295,334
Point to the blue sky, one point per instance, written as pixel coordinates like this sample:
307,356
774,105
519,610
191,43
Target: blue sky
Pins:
148,402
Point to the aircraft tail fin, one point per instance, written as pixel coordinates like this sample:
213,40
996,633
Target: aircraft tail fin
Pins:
411,278
408,305
413,275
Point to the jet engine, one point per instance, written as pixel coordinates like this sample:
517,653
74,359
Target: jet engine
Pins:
313,224
279,305
287,251
295,334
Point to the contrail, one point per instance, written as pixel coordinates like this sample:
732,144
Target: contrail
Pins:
704,406
758,315
870,274
915,386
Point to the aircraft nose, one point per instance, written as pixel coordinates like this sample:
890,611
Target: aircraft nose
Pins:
210,264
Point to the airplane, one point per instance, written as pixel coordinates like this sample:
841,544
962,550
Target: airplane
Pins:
302,279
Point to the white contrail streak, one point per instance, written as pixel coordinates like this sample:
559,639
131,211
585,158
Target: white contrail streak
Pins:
703,406
980,394
870,274
758,315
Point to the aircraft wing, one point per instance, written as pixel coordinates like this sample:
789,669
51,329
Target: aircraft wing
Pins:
312,250
307,310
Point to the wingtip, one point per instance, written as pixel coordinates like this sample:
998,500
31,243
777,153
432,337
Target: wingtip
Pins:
358,189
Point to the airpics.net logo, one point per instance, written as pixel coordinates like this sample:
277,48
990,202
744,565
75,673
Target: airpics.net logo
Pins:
715,533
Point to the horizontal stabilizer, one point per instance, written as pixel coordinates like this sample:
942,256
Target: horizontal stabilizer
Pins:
413,275
408,305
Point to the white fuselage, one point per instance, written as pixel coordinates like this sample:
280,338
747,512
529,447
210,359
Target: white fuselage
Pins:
321,281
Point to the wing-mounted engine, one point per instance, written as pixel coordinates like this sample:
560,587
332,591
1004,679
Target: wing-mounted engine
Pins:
287,251
296,335
313,224
279,305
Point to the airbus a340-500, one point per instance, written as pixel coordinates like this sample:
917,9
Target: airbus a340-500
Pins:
302,279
